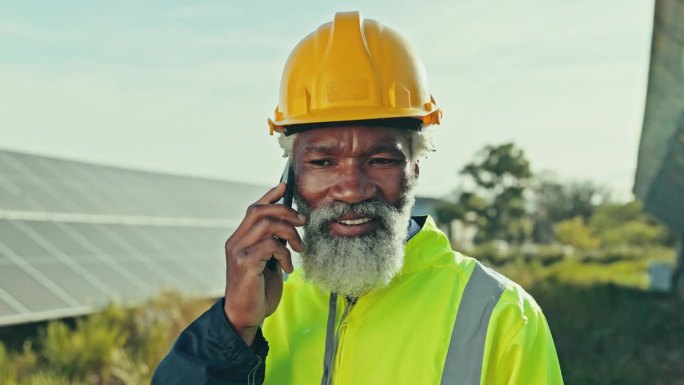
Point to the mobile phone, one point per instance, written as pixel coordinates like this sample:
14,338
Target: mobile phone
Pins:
288,179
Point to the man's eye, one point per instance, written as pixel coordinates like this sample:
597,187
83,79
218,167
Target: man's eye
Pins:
383,161
321,162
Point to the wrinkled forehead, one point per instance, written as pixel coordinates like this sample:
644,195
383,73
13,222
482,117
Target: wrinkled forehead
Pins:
352,140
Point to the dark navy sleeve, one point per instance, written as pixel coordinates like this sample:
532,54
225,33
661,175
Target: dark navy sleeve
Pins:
210,351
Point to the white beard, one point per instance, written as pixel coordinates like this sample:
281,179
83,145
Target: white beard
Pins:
353,266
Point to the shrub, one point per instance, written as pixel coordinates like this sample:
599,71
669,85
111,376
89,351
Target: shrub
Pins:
90,348
575,233
118,346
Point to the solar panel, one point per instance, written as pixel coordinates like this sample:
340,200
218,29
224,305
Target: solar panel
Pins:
63,241
130,286
27,290
12,198
73,283
20,243
6,309
98,239
74,236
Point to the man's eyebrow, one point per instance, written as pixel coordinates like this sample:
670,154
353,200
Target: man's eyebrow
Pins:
333,148
320,149
394,149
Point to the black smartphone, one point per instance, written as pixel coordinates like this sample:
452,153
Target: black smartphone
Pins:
288,179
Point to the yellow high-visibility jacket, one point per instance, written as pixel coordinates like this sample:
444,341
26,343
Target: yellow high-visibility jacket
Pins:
445,319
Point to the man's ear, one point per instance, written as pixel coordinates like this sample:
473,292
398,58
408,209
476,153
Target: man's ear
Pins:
416,169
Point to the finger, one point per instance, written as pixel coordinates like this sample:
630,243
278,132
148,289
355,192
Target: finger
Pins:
273,194
250,262
256,213
269,227
261,253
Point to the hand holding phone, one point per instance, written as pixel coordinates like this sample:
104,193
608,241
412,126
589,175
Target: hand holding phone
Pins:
254,283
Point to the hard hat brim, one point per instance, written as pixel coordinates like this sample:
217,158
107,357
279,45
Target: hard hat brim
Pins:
340,117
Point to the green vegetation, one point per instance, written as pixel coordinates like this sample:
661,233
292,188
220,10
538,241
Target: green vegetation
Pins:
575,233
119,346
607,334
505,201
499,176
625,224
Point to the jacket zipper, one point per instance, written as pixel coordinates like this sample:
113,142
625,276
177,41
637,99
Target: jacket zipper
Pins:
337,339
341,331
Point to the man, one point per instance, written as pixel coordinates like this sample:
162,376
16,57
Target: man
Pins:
380,297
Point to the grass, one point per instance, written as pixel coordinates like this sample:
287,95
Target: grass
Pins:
608,334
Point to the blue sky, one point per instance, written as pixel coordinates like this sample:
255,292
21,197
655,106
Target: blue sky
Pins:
186,87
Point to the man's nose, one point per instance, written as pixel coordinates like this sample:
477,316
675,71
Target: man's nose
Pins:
353,185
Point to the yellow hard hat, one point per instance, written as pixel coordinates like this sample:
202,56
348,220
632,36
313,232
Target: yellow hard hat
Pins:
352,70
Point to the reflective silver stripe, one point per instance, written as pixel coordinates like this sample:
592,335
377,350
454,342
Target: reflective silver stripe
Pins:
329,341
463,364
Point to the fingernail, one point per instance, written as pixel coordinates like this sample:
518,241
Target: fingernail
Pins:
301,217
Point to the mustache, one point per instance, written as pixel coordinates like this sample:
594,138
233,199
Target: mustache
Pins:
322,217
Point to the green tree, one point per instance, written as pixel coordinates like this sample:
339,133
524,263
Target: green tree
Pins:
559,201
500,176
556,201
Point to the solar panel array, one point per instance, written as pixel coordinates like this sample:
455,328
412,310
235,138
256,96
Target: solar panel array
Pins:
75,236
